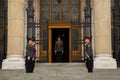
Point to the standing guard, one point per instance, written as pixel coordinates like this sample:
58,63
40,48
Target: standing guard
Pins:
88,54
30,56
59,50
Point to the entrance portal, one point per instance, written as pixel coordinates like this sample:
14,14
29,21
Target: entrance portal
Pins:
64,34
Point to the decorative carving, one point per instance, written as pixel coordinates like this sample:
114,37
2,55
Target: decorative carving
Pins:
30,20
87,16
30,9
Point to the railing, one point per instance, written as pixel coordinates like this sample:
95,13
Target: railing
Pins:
3,30
116,30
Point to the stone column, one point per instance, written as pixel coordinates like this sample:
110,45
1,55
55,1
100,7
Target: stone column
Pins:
15,47
102,27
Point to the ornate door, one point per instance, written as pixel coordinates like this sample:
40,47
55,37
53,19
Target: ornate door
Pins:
59,11
43,57
76,46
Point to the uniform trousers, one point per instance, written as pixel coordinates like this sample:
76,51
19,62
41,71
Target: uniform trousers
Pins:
59,56
29,64
89,64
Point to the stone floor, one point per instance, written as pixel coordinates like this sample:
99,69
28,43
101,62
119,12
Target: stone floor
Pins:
61,71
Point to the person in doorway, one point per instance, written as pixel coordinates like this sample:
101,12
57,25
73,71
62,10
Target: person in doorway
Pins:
30,56
59,50
88,55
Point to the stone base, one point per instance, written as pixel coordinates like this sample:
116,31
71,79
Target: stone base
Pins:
104,61
13,62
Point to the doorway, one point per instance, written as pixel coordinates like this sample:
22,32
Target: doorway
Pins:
64,34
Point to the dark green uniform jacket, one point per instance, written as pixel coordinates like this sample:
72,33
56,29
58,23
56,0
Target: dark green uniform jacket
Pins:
59,46
88,49
28,50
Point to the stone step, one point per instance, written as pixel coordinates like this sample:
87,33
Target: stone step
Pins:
60,71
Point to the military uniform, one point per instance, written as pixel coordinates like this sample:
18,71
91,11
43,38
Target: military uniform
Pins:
34,57
30,58
59,51
89,57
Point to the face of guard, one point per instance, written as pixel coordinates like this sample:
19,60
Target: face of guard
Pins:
59,39
87,40
30,42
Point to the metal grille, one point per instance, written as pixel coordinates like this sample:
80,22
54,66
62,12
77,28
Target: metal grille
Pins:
39,32
116,30
77,27
30,20
87,22
3,31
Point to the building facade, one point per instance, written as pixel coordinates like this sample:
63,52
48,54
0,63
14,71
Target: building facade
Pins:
73,20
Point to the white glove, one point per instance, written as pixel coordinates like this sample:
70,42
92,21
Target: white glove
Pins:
28,57
32,59
55,52
62,52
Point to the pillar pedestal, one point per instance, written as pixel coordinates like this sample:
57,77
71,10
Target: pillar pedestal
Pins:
102,37
104,61
14,62
15,43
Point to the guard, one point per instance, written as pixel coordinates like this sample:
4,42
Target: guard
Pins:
59,50
88,55
30,56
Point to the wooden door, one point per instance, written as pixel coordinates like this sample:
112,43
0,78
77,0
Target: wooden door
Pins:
76,46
